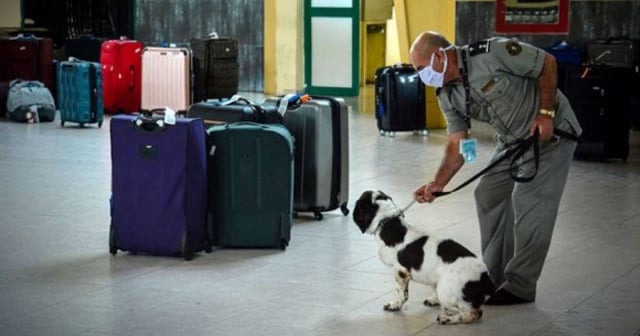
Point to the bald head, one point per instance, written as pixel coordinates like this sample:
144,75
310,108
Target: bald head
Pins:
425,44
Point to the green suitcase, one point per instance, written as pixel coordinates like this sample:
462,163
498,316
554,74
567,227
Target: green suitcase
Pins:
251,185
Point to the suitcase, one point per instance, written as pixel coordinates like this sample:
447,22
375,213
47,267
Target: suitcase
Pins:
399,100
251,178
166,78
159,181
215,67
80,92
28,58
121,62
4,91
86,48
601,100
612,52
216,112
320,128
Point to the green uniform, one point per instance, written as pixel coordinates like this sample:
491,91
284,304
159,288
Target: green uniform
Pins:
516,219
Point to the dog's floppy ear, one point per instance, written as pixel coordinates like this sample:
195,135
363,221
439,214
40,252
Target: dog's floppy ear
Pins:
364,211
382,196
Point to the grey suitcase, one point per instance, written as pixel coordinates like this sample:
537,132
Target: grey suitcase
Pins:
320,128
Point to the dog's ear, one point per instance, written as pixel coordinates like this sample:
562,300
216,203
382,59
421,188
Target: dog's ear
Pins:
364,211
382,196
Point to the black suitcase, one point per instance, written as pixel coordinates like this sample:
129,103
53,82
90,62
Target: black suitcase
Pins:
86,48
399,100
227,112
601,97
216,68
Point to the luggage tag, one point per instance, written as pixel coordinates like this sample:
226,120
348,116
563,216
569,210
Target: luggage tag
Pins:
468,149
169,116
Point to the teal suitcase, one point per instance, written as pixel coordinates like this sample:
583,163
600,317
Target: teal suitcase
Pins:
251,185
80,92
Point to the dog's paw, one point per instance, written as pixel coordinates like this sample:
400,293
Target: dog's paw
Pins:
431,303
448,319
393,306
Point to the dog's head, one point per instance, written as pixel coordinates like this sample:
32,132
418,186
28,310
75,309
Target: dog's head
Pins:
370,205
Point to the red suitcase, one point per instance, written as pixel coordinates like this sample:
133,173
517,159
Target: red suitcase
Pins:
29,58
121,75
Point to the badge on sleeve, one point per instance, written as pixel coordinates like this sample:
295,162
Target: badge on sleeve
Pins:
468,149
513,48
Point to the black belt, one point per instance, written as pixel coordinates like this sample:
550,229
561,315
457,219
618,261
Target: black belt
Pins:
515,152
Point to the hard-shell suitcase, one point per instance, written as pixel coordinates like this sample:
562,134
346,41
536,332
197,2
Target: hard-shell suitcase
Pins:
614,52
320,128
159,186
215,67
86,48
251,177
399,100
601,100
121,62
28,58
80,92
166,78
216,112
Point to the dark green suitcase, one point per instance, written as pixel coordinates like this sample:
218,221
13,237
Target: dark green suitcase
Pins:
251,185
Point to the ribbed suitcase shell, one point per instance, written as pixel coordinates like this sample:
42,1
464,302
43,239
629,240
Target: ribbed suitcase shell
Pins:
399,99
321,130
251,178
159,186
80,92
121,72
166,78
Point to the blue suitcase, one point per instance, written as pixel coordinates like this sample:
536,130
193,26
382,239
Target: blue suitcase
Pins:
251,178
79,86
159,186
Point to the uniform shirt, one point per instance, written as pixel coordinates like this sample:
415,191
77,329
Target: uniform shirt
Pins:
502,75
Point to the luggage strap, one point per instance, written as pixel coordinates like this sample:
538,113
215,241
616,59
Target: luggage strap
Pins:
515,152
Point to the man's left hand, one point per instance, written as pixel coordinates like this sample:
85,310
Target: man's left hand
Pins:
544,124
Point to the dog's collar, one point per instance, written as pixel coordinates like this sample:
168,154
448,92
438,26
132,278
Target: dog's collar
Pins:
399,214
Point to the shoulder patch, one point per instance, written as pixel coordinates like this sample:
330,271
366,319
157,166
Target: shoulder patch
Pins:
479,47
513,48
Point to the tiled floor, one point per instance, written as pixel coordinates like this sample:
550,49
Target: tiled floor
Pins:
57,277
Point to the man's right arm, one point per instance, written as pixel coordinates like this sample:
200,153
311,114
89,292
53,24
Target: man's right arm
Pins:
451,163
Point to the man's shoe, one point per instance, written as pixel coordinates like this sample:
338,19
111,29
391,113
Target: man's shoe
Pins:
503,297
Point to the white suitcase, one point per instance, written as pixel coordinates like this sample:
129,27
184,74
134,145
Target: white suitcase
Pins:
166,78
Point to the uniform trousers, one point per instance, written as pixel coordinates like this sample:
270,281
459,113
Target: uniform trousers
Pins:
517,219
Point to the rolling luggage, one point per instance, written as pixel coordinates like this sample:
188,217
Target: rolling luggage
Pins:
251,178
86,48
601,100
80,92
215,67
27,58
216,112
159,181
320,127
614,52
121,62
399,100
166,78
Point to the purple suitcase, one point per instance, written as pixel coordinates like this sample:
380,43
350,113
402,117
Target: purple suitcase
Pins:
159,181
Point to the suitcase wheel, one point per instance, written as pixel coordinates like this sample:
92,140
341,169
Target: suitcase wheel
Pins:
62,123
113,244
81,124
317,215
381,132
100,124
283,244
294,214
344,209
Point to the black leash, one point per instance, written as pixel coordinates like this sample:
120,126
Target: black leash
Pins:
516,151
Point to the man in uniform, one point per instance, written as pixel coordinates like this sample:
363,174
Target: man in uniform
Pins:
512,86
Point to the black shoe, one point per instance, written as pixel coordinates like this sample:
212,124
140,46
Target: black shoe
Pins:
502,298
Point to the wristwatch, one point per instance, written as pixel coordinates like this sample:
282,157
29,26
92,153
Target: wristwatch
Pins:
550,113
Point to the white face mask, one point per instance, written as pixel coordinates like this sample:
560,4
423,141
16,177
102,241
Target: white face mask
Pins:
431,77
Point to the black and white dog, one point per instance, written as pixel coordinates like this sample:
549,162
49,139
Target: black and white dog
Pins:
458,279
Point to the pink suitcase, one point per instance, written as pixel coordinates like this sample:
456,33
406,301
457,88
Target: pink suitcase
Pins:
166,78
121,62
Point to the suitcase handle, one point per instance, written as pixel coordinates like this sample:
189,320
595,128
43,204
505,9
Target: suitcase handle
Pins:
250,123
149,125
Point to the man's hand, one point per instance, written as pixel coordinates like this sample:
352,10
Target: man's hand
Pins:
424,194
544,124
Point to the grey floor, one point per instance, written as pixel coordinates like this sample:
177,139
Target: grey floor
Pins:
57,277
